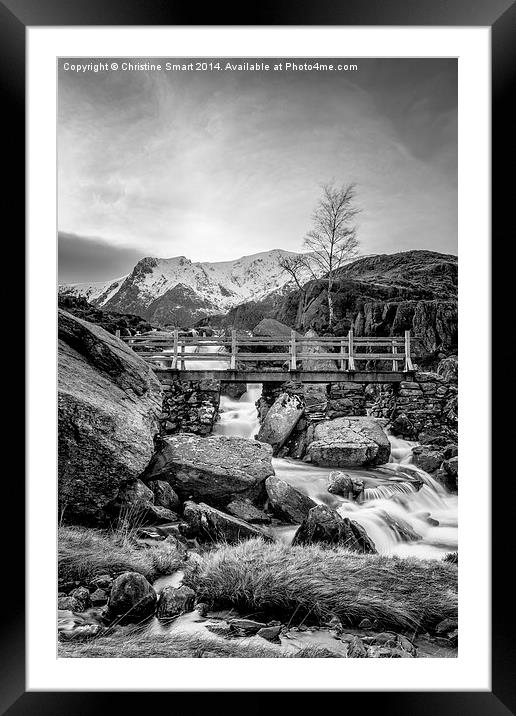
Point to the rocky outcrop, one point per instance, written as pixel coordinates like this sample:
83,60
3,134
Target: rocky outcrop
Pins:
286,502
190,407
109,401
132,599
346,442
215,469
211,525
281,420
325,526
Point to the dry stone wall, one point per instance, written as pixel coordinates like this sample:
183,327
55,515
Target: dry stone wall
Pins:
415,409
190,407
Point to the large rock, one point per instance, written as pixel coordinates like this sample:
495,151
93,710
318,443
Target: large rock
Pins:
312,348
345,442
348,486
134,503
108,405
427,457
326,526
174,601
212,525
164,495
286,502
214,469
280,421
132,599
271,328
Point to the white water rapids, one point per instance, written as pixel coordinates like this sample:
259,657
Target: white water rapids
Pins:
430,512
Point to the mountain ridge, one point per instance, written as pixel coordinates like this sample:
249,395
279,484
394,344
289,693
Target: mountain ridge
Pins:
206,287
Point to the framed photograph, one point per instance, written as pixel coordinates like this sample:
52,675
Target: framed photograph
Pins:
258,341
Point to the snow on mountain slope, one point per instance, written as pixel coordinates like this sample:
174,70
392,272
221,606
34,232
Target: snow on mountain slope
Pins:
155,284
96,292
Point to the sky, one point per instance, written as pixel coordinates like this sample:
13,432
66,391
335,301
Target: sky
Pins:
221,164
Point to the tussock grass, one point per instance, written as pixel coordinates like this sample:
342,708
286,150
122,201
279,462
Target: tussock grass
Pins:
178,645
313,582
84,553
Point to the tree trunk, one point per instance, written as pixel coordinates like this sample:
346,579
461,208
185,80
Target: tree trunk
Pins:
330,305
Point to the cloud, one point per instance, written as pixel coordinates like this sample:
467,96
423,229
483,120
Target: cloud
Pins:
89,259
217,165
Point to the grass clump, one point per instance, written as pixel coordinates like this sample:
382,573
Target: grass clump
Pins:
259,577
179,645
84,553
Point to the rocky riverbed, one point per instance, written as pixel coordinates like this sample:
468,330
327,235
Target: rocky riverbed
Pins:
226,543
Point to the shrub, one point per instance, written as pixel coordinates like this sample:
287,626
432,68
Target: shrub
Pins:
84,553
258,577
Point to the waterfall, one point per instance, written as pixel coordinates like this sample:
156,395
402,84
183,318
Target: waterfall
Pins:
404,510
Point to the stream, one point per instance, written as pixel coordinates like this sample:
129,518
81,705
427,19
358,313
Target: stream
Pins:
393,506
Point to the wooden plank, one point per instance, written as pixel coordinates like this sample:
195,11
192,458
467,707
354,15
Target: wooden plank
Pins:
378,356
394,361
264,356
167,375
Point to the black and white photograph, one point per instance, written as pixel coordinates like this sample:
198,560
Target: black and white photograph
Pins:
257,357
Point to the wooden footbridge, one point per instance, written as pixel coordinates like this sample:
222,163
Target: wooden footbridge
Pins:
246,359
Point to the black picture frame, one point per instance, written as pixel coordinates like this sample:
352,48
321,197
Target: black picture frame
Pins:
500,15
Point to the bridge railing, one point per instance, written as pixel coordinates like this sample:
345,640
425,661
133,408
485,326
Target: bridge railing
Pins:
173,351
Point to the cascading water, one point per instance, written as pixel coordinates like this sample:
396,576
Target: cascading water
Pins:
405,511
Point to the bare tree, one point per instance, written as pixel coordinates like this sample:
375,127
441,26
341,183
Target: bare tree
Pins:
296,267
332,241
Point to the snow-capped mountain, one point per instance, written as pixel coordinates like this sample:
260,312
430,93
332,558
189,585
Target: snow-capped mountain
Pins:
176,290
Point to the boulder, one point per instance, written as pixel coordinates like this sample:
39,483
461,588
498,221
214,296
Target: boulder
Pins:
427,457
132,599
286,502
271,633
448,475
135,503
346,442
99,597
212,525
271,328
245,510
82,596
164,495
280,421
246,627
312,348
348,486
214,469
326,526
68,603
109,401
174,601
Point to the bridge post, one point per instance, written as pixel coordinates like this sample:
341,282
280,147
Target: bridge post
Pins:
394,351
408,358
176,338
293,362
182,363
343,353
351,358
233,350
117,333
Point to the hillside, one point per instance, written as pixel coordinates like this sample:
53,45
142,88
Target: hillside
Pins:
377,296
